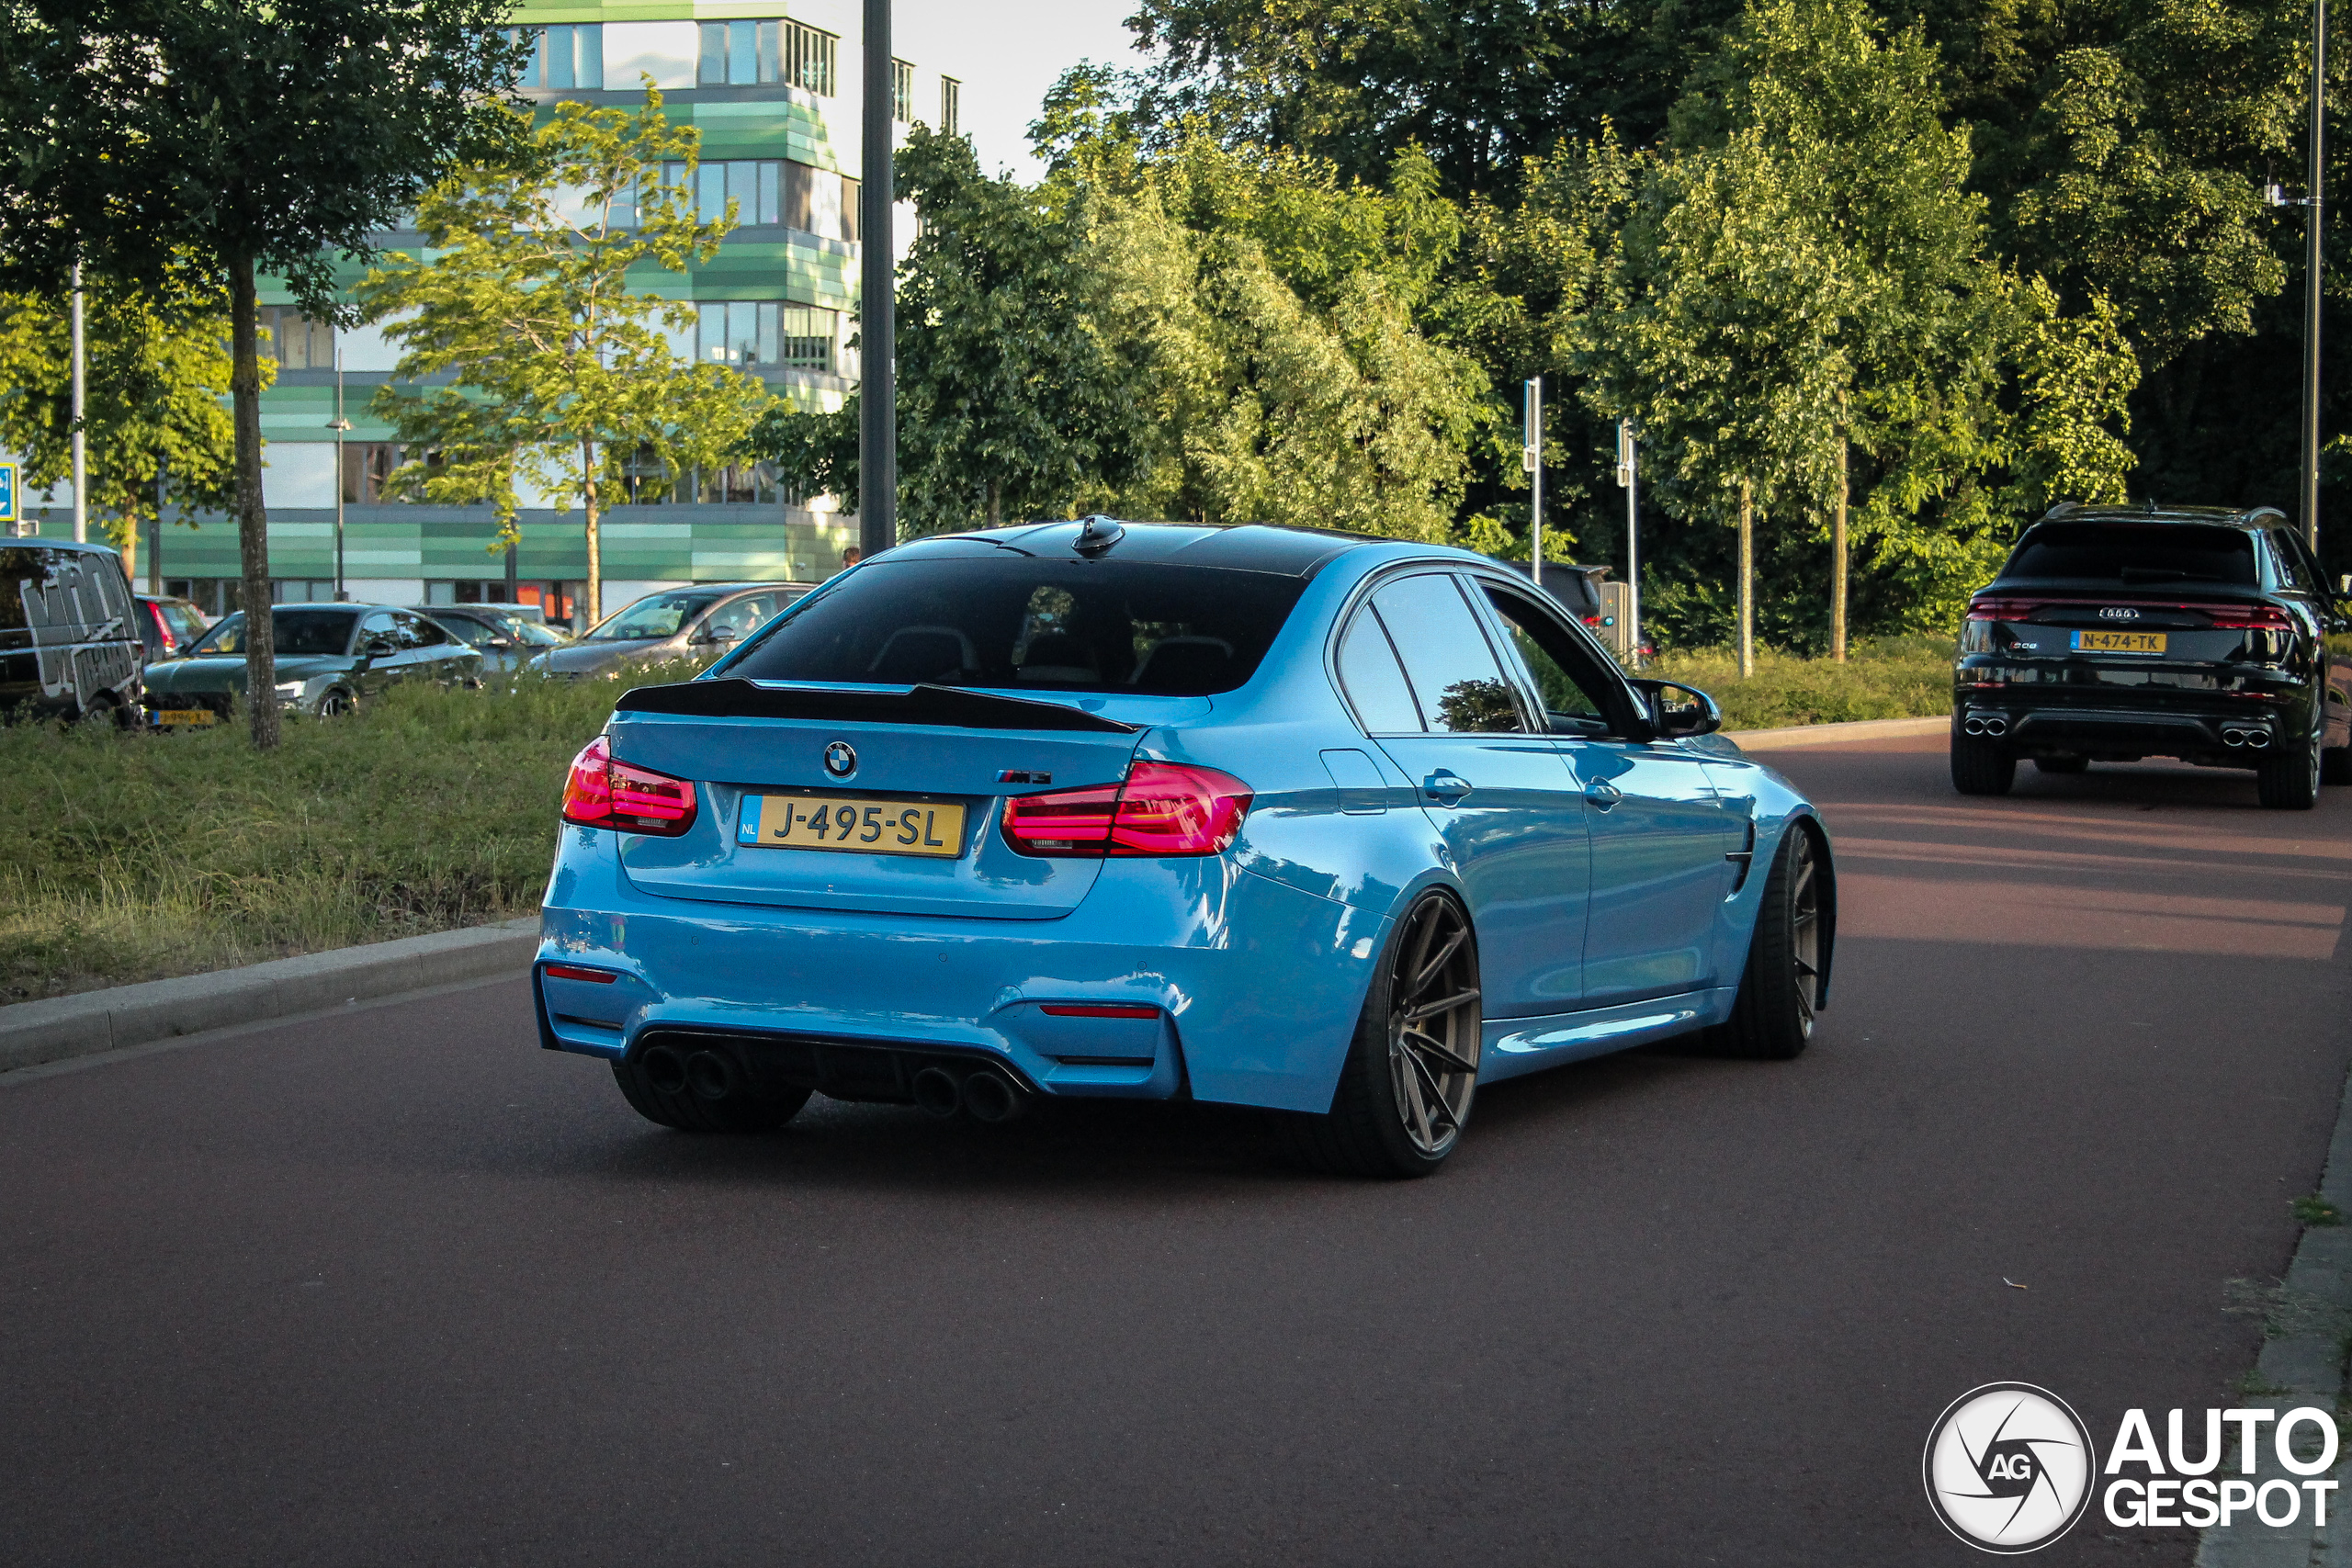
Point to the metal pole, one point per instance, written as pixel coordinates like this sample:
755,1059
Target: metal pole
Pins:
877,433
341,424
1535,417
80,442
155,550
2311,275
1629,457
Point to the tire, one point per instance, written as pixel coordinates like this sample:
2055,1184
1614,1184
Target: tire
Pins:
1979,767
689,1112
2289,781
1780,991
334,704
1402,1102
2335,765
2062,764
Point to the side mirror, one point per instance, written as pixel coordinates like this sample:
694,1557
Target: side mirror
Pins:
378,649
1679,711
716,634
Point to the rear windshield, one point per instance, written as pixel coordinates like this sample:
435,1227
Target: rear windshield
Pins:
1017,621
290,631
2135,552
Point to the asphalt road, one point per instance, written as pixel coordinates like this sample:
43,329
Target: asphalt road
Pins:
401,1288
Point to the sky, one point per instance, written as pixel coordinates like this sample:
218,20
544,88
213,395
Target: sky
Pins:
1007,53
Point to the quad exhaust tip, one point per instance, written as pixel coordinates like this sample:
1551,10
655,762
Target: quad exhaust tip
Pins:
1984,724
984,1093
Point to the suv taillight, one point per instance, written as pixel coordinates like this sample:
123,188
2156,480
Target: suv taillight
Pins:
1164,808
601,793
2250,618
1998,609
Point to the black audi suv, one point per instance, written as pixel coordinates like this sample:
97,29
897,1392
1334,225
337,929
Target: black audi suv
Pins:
2118,633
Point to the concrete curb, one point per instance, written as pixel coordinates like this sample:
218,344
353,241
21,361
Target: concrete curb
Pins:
1837,734
62,1027
2308,1361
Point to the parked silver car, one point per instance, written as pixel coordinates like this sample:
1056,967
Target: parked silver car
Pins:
701,622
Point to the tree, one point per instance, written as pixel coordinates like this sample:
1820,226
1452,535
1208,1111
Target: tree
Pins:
157,371
1009,403
561,370
199,142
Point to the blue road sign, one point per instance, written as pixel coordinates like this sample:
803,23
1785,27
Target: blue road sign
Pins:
8,493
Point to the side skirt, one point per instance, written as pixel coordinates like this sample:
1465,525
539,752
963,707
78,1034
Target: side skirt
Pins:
1516,1045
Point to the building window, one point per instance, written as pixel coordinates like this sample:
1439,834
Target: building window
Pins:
767,191
903,92
765,335
740,483
366,466
951,106
564,59
763,53
296,341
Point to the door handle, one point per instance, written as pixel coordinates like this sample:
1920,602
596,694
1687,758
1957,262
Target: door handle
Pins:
1446,787
1604,795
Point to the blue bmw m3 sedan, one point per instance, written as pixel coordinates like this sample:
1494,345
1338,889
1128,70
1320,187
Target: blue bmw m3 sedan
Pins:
1337,826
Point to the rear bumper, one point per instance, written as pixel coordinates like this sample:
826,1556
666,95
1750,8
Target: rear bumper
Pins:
2223,715
1257,985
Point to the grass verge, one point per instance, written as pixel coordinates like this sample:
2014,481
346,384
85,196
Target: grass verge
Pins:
1888,678
134,857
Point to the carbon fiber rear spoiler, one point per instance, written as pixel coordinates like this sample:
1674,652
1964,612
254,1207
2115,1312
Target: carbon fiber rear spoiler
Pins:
945,706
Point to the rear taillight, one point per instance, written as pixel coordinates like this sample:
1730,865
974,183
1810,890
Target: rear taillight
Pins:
601,793
2247,619
1164,808
1998,609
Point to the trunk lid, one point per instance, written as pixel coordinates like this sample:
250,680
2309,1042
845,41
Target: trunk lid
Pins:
928,747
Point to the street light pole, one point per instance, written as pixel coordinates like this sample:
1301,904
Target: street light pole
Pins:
877,426
2311,212
339,425
1628,459
81,444
1535,463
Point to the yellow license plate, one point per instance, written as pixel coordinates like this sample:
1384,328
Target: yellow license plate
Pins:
859,824
2119,642
188,715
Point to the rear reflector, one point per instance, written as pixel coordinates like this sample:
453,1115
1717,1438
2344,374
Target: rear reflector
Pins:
1164,808
601,793
573,972
1095,1009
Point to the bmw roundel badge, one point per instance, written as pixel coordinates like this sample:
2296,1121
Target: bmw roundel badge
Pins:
840,759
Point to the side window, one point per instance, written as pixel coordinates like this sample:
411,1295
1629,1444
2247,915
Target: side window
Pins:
1561,671
2292,574
1453,672
378,627
422,633
1374,681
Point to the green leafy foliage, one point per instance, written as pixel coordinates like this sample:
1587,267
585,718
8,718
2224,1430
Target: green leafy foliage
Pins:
552,364
156,372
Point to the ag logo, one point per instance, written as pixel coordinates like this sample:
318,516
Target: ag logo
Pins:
840,759
2009,1468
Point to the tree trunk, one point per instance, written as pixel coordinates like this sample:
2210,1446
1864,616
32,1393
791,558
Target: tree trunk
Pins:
595,541
1838,562
252,520
996,503
1747,580
129,538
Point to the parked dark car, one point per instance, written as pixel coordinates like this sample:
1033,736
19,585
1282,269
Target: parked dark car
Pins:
701,622
167,626
69,646
504,636
2114,633
330,658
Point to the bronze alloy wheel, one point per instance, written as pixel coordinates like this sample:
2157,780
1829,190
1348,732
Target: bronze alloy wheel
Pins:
1804,929
1433,1018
